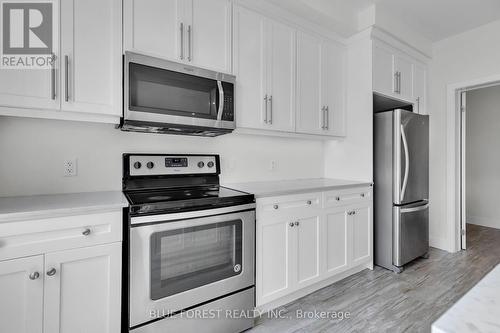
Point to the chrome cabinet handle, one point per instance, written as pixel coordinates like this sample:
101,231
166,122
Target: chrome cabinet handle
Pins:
418,104
337,198
53,77
399,82
265,103
190,56
395,82
66,77
34,276
297,223
309,202
322,117
51,272
327,118
362,195
291,224
182,41
271,109
86,232
275,206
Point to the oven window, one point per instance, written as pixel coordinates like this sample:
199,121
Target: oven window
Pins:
188,258
156,90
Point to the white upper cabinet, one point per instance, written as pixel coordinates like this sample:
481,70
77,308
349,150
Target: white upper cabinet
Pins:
85,77
21,292
403,72
33,88
265,72
384,80
196,32
250,68
209,33
333,91
399,75
419,88
310,116
154,27
89,83
281,77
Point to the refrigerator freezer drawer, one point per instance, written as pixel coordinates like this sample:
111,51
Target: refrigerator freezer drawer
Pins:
411,232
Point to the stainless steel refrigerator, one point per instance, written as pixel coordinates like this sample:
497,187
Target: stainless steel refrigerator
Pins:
401,190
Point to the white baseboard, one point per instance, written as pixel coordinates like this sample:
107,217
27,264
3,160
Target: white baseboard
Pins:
484,221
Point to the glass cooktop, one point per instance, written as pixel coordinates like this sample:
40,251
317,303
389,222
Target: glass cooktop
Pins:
161,201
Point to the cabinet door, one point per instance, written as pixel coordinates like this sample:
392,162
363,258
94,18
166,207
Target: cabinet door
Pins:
154,27
208,33
90,83
309,113
362,231
83,290
274,260
337,239
308,250
419,88
403,66
383,75
21,295
34,88
250,68
333,88
281,77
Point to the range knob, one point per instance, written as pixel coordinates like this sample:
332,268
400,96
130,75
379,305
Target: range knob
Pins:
137,165
210,164
150,165
201,164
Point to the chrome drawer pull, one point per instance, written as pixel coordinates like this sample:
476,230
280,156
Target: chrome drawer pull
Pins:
291,224
34,276
51,272
275,207
86,232
309,202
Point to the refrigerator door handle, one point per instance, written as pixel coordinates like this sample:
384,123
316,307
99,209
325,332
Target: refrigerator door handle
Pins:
407,163
414,209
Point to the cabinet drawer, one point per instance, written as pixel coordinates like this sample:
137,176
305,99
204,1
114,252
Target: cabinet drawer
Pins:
296,205
347,196
23,238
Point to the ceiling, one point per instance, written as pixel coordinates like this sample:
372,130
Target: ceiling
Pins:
433,19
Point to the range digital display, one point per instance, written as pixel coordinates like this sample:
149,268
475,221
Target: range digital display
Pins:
176,162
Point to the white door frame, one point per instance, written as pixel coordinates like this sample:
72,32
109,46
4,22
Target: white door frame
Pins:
453,156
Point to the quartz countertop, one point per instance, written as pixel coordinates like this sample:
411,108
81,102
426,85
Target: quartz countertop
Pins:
47,206
477,311
264,189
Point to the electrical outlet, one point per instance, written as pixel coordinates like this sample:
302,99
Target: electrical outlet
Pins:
70,167
272,165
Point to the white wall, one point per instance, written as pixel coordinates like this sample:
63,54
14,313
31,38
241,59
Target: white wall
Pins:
482,158
352,157
471,55
33,150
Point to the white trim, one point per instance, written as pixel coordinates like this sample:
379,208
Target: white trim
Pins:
490,222
291,135
390,39
453,156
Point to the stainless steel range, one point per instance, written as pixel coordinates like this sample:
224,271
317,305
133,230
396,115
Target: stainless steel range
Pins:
191,246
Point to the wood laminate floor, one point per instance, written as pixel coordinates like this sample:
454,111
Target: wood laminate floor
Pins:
382,301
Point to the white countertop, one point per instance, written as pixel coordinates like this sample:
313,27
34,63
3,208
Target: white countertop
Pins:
46,206
285,187
477,311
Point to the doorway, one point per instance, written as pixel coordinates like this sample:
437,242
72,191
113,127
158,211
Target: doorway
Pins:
478,125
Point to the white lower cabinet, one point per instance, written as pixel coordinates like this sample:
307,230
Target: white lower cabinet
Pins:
74,289
83,293
21,295
299,248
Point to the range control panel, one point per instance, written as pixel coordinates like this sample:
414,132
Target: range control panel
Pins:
157,165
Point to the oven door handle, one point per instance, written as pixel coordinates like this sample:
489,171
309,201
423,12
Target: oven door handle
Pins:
221,100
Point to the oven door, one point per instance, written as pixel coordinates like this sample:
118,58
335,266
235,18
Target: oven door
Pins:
184,259
165,92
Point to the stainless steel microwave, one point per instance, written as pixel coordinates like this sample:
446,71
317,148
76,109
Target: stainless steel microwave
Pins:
162,96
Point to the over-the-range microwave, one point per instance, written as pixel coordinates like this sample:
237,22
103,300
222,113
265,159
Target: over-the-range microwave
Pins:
162,96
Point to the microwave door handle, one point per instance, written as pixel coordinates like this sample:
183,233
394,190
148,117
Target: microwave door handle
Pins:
221,101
